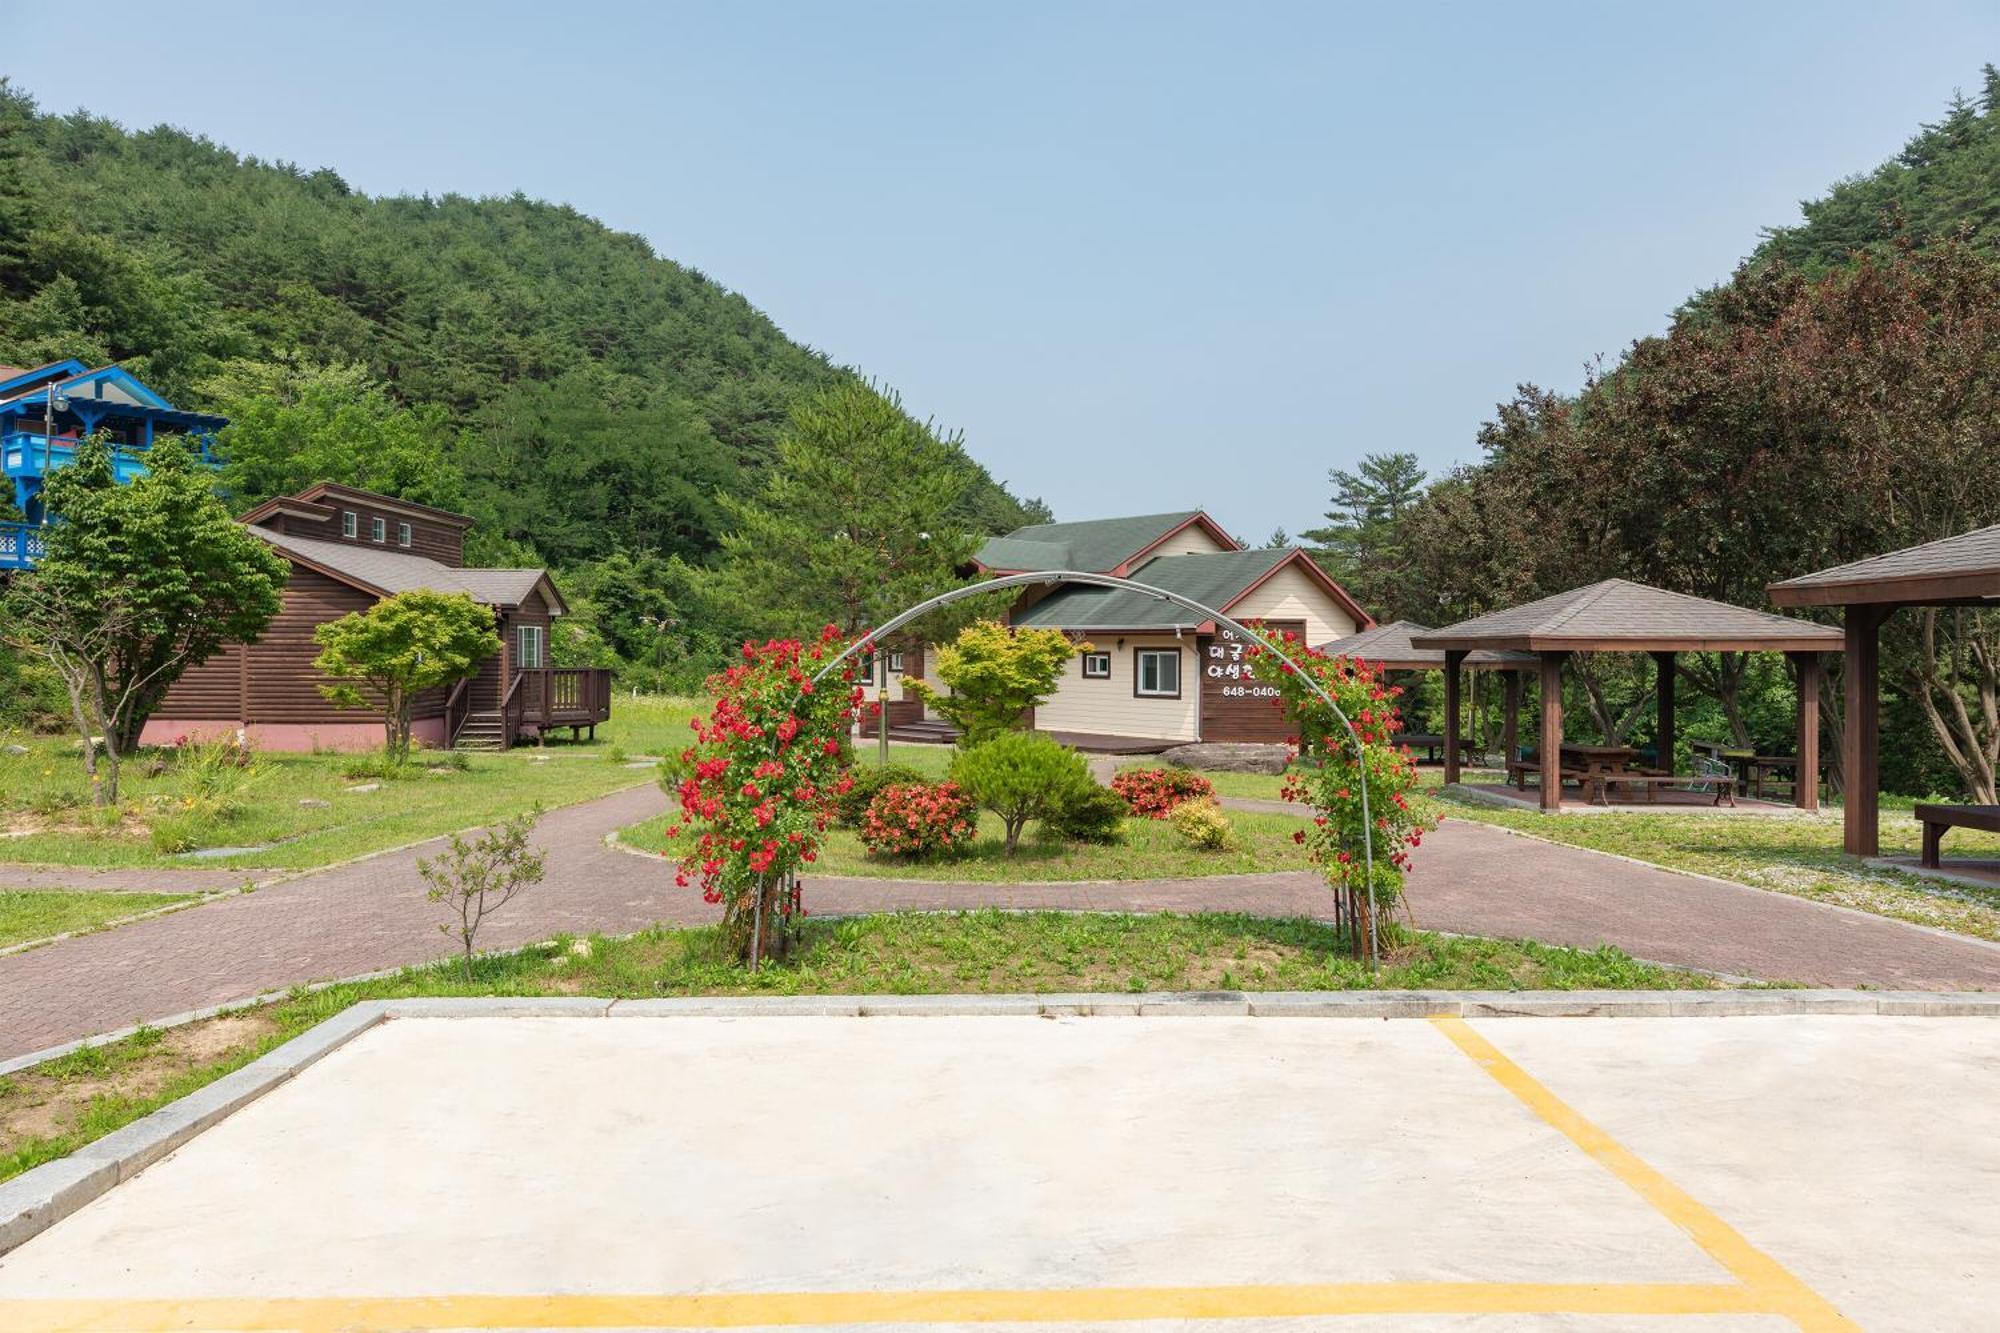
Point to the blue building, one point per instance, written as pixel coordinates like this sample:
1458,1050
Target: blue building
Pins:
46,412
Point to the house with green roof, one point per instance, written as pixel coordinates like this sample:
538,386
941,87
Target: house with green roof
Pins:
1155,672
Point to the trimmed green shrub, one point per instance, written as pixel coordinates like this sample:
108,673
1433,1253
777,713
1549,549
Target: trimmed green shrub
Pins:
1203,824
851,807
1019,776
1096,814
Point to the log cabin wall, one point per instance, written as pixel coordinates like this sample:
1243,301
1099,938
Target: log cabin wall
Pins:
274,680
1235,705
429,537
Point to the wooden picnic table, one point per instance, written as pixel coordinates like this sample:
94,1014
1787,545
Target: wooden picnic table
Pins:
1598,766
1431,744
1757,767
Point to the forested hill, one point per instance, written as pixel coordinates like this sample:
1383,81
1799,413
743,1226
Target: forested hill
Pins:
1946,180
550,352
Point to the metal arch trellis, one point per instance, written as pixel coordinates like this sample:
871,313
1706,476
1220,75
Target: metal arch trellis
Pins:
1159,594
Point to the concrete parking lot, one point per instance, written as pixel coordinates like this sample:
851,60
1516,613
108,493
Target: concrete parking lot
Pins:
1590,1174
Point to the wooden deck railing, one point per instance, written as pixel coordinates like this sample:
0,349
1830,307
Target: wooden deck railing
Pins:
544,697
457,708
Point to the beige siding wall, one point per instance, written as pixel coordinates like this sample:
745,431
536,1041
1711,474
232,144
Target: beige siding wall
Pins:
1292,594
1109,706
1191,540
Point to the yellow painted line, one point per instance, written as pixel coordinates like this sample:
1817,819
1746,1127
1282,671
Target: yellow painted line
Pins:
1772,1284
747,1309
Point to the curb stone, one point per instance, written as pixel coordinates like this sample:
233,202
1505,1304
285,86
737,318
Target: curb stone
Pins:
38,1199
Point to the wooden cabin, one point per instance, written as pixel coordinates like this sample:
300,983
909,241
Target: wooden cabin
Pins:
1157,675
349,549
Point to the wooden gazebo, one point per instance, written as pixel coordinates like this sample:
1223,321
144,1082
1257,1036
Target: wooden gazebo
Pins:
1388,648
1956,571
1617,616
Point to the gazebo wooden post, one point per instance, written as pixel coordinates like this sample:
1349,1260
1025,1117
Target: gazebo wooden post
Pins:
1663,693
1805,791
1861,745
1550,752
1454,670
1510,734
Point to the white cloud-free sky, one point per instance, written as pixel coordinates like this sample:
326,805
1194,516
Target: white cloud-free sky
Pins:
1147,256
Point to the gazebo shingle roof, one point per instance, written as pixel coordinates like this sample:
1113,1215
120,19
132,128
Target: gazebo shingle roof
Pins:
1617,615
1962,568
1389,646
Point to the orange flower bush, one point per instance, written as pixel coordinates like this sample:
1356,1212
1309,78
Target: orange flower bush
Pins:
919,819
1154,792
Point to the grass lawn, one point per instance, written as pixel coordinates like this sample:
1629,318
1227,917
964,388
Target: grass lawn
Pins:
57,1107
297,812
1151,850
35,914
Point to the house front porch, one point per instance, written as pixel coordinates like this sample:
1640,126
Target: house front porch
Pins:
538,700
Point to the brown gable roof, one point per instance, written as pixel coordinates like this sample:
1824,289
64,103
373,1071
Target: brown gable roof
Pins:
330,491
1965,568
1620,616
386,573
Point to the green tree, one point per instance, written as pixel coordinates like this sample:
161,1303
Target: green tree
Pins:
292,424
1361,544
854,523
1022,775
590,464
996,674
139,583
17,207
383,657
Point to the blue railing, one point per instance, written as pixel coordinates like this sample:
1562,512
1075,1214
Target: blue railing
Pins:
27,454
20,545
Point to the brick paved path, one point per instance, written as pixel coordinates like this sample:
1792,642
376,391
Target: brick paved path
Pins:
1470,878
82,879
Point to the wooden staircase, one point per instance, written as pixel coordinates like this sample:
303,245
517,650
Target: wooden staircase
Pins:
482,731
922,730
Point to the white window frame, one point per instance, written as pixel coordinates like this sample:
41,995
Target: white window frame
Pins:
402,534
896,663
378,530
350,526
523,636
1099,660
1140,657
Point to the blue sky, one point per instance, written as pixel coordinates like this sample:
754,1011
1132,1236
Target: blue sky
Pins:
1147,256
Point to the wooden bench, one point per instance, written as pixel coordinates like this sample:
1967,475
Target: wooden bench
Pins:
1937,818
1725,790
1519,769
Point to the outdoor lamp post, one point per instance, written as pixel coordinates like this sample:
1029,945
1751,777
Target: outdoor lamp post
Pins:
57,403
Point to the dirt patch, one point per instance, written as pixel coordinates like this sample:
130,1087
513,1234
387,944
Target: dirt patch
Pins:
50,1099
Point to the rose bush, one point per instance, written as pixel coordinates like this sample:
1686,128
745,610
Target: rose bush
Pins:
758,787
919,819
1154,792
1331,778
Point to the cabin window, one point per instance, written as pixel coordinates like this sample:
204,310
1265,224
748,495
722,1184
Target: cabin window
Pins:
347,523
895,662
1158,673
378,530
402,534
1097,666
528,647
